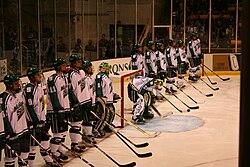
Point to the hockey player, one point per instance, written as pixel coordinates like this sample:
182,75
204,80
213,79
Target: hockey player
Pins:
140,92
194,55
150,61
58,107
34,96
137,59
80,100
182,62
161,68
2,134
105,97
171,66
90,84
15,123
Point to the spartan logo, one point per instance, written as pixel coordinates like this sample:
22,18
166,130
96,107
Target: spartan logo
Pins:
82,83
41,100
19,108
111,87
64,89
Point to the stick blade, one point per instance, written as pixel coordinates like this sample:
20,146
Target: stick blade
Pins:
155,134
145,155
225,79
213,83
194,108
128,165
216,89
141,145
209,95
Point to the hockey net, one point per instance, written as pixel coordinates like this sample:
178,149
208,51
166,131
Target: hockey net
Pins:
120,83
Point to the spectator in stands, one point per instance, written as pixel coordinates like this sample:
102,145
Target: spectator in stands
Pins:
103,42
61,46
78,46
229,34
90,46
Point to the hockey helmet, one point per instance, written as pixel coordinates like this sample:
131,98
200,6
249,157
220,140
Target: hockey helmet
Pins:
159,44
180,42
9,79
137,46
57,63
150,44
85,65
32,71
74,57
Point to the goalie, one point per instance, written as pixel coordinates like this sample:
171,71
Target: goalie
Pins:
140,92
105,99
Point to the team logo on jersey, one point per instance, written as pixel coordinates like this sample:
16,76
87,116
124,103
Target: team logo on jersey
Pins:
111,87
64,89
19,108
82,83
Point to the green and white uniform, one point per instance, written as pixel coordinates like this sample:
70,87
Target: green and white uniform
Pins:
15,124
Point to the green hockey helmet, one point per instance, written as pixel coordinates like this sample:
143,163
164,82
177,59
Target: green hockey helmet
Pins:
150,44
57,63
32,71
137,46
74,57
85,66
159,44
9,79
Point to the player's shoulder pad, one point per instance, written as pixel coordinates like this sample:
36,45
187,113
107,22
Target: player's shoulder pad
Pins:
29,88
52,78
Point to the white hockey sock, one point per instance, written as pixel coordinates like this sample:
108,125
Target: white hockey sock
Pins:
32,155
74,132
45,156
87,130
24,156
9,162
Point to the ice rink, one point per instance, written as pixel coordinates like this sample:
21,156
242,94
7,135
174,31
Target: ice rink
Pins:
205,137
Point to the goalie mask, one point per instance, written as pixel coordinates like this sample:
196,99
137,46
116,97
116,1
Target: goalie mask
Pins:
104,68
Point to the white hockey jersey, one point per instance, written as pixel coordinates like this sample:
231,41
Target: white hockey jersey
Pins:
104,87
2,133
34,95
171,56
78,90
182,55
150,62
140,83
58,96
15,113
91,87
137,61
161,57
194,48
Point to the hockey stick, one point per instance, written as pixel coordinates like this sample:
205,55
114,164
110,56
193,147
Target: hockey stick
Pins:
121,165
190,107
209,85
149,154
15,153
138,128
74,153
208,95
223,79
160,115
136,145
186,94
213,83
46,151
172,103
